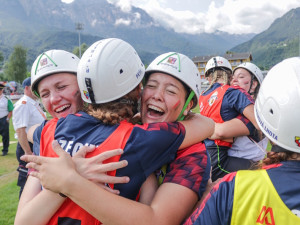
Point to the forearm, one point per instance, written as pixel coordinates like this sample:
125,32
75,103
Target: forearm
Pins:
230,129
37,208
249,114
148,190
9,115
107,207
22,138
197,128
31,132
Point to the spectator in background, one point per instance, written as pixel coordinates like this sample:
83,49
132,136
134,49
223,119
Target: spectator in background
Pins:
6,108
26,113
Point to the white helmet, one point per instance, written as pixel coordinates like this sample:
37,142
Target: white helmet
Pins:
51,62
217,62
253,69
277,105
108,70
180,67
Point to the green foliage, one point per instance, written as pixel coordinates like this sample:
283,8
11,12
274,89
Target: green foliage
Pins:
83,46
17,68
2,77
1,57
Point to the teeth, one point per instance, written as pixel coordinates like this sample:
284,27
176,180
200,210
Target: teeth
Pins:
62,108
155,108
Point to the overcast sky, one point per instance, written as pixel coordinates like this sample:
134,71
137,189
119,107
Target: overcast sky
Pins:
198,16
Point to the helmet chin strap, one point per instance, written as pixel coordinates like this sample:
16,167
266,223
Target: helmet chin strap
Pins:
36,93
88,83
181,116
252,78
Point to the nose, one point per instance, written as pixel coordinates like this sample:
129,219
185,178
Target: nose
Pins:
233,79
158,94
55,98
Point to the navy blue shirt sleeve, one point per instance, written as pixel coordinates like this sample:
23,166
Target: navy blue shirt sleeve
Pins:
37,138
157,145
234,102
216,209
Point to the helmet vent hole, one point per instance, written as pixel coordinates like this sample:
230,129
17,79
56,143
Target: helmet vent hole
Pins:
271,111
121,71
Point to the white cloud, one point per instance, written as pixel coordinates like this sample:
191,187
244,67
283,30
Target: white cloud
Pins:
232,16
67,1
190,16
245,16
124,5
123,22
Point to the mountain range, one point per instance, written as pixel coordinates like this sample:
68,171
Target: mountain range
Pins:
39,25
281,40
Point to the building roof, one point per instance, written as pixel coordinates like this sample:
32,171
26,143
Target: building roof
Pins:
230,56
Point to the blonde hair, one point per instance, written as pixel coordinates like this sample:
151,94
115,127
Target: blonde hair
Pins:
220,74
114,112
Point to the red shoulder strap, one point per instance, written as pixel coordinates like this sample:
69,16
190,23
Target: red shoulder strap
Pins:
46,140
117,140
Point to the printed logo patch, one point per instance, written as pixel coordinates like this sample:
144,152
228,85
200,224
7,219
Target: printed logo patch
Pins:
201,106
171,60
43,62
86,94
213,98
266,216
297,140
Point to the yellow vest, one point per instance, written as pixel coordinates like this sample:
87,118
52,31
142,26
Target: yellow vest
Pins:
256,201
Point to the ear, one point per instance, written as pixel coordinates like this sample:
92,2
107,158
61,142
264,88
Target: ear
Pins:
254,85
188,108
26,89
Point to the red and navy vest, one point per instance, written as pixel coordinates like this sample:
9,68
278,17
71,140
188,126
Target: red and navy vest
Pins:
69,212
210,106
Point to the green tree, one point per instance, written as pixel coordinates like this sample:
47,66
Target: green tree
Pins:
84,47
16,67
1,58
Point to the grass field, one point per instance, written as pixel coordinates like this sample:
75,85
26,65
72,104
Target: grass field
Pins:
9,191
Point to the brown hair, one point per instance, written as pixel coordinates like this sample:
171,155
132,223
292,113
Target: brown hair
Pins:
275,158
114,112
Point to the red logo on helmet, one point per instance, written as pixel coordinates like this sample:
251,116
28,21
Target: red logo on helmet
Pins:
297,140
172,60
43,62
